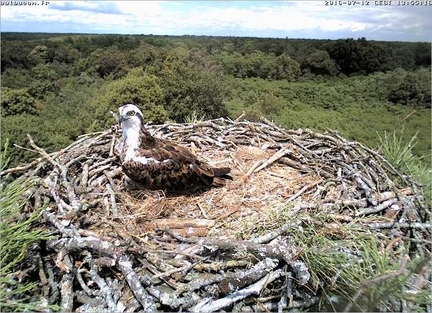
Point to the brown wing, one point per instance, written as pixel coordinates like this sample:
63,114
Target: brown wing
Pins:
165,165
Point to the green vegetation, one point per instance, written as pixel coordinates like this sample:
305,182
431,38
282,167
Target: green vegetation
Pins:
17,234
59,86
368,278
356,107
401,157
358,269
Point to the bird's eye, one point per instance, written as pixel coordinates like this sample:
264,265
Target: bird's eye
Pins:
131,113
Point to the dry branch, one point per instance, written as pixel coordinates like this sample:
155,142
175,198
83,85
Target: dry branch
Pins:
208,305
112,256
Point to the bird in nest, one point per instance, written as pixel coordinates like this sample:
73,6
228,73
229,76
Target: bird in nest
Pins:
161,164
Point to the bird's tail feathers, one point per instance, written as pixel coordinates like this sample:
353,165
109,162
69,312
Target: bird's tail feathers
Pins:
218,182
220,175
221,172
213,176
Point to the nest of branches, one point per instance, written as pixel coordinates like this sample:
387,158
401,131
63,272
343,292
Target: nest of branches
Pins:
234,248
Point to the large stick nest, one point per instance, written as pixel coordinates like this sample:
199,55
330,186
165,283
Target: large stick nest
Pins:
120,249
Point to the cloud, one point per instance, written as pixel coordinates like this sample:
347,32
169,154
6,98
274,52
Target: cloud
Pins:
302,19
100,7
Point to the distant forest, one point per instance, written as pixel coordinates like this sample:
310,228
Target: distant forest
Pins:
59,86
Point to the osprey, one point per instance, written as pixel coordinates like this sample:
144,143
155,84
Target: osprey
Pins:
161,164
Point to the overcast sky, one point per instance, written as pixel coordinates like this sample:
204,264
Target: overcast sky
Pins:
295,19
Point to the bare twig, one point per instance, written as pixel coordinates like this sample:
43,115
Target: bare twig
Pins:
135,284
66,292
273,159
304,189
208,305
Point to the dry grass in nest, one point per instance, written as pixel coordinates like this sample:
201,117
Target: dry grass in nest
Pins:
216,207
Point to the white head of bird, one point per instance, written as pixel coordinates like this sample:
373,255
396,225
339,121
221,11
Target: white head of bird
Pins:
131,120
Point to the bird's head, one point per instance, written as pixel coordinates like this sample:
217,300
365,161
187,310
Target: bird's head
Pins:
130,116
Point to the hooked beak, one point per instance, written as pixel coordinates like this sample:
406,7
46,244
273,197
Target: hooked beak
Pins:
122,118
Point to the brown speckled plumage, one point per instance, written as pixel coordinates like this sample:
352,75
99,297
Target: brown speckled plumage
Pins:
161,164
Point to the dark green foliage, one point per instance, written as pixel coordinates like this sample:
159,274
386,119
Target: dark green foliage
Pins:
40,52
271,104
41,88
137,87
232,64
142,56
65,54
286,68
422,54
17,54
407,91
44,81
55,50
72,81
320,63
43,72
404,57
191,83
87,44
62,70
361,56
258,64
17,101
50,134
16,78
409,88
60,120
104,62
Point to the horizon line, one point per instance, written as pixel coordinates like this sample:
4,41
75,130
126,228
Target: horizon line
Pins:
214,36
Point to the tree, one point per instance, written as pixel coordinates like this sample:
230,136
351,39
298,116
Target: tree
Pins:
270,104
404,57
232,64
65,54
106,62
137,87
408,88
414,89
44,81
300,51
17,101
320,63
285,68
191,83
422,53
43,72
142,56
361,56
376,58
17,54
16,78
259,64
347,55
40,52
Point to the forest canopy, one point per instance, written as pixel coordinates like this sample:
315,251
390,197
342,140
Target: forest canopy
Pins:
59,86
